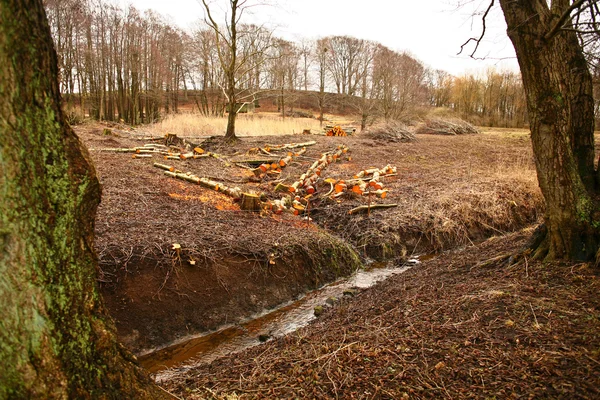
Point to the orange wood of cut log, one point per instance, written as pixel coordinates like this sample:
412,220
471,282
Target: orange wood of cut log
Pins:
312,174
340,187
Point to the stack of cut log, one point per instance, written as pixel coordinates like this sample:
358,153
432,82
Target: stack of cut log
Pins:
306,186
366,182
336,131
275,166
309,179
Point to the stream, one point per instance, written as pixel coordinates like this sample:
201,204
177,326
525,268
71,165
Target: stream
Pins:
204,348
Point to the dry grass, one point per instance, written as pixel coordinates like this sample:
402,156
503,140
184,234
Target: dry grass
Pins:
246,125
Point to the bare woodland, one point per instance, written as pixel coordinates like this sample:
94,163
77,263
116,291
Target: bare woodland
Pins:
120,64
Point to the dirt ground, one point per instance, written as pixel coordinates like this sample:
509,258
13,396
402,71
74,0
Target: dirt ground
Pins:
450,191
472,323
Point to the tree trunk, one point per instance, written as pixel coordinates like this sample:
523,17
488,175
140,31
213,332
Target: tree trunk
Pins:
560,105
56,340
230,132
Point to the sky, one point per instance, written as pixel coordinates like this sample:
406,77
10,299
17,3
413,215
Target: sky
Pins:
430,30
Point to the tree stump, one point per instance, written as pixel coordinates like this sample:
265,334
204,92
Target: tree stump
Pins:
250,202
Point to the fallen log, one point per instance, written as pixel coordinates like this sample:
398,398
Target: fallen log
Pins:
216,186
184,177
165,167
286,146
367,208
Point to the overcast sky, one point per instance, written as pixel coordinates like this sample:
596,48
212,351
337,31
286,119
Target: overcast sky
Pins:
431,30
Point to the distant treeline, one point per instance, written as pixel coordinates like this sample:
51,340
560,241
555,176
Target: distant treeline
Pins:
121,64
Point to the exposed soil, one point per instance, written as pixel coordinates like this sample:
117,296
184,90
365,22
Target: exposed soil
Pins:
450,191
472,323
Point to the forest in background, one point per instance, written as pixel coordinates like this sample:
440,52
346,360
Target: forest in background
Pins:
121,64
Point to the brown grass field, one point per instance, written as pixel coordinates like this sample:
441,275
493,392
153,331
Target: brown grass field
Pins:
471,323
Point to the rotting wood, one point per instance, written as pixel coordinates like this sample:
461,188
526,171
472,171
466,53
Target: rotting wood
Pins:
367,208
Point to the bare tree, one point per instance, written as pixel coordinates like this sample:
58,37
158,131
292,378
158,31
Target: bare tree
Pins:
399,81
233,63
321,57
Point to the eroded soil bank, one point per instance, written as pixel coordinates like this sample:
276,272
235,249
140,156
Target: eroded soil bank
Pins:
474,323
450,191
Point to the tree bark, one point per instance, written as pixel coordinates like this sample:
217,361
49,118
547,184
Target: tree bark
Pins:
558,86
56,340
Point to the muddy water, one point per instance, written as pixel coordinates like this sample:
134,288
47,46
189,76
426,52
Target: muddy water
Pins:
272,324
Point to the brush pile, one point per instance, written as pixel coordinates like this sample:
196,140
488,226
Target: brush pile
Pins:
394,132
447,127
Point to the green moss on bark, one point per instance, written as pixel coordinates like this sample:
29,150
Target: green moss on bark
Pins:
55,338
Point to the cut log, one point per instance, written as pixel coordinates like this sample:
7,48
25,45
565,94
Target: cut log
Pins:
250,202
311,176
184,177
282,187
370,207
164,166
286,146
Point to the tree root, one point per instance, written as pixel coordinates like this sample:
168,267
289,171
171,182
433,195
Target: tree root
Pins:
539,243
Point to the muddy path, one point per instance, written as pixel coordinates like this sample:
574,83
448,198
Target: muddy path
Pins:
231,264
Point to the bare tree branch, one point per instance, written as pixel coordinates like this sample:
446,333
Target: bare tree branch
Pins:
478,40
563,18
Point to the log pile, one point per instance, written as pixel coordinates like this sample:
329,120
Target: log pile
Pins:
365,183
308,180
336,131
275,166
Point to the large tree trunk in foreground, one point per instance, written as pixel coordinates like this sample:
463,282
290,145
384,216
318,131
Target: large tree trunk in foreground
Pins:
560,105
56,340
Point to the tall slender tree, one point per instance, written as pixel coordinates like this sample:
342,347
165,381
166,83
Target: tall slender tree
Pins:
56,340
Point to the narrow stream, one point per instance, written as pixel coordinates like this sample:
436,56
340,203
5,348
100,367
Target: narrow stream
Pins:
195,350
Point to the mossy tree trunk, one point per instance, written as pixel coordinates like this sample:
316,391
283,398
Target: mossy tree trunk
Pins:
560,103
56,340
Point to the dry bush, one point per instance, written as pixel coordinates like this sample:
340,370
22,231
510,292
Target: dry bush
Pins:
454,126
390,132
